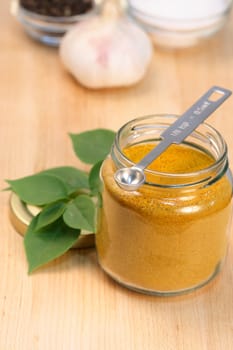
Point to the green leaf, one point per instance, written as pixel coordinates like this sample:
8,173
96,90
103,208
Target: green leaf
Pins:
93,146
46,245
73,179
49,214
95,182
39,189
80,213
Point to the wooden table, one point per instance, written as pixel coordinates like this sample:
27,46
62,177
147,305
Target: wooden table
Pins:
71,304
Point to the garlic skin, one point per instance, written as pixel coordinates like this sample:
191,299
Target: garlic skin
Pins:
106,51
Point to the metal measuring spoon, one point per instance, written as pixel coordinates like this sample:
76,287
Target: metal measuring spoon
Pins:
131,178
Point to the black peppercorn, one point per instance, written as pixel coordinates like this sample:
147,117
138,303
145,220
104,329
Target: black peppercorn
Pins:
57,8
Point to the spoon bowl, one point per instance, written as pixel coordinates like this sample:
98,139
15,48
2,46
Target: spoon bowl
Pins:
129,179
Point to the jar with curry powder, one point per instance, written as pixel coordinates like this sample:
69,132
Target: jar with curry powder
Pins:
170,236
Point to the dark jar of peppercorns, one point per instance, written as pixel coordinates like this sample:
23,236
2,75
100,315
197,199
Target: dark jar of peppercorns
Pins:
48,20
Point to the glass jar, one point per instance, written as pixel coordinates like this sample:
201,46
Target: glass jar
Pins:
180,23
46,24
170,236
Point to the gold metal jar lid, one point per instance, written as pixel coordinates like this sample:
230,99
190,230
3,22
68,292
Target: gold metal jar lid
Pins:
21,215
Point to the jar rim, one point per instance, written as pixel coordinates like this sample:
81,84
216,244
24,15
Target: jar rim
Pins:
55,19
156,17
220,164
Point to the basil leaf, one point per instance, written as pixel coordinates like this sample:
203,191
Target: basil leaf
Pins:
80,213
39,189
92,146
74,179
49,214
49,243
95,182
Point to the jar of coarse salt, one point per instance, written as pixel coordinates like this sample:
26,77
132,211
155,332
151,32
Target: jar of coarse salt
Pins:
180,23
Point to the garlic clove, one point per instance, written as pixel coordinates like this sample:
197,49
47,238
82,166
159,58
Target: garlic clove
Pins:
106,52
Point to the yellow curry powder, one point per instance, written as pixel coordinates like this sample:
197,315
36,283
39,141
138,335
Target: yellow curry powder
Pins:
164,239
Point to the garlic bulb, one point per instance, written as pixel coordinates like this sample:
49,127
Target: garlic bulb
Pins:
108,50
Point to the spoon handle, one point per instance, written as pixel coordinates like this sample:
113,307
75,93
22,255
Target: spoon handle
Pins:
188,122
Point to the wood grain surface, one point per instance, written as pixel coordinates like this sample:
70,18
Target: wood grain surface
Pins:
71,304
